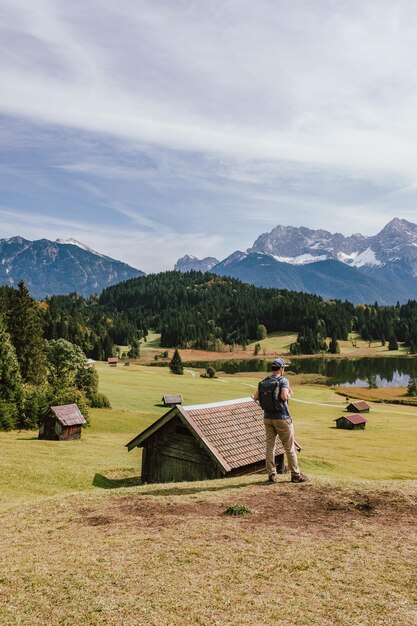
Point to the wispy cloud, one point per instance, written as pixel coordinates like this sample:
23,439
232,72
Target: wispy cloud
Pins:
241,83
176,118
132,246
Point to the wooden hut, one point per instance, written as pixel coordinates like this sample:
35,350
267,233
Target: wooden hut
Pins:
172,400
205,441
351,422
113,361
62,423
358,407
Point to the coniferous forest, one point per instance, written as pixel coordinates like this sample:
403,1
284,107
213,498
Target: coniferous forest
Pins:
188,309
206,311
36,373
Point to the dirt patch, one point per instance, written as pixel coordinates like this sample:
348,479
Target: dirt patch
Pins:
321,510
304,508
97,520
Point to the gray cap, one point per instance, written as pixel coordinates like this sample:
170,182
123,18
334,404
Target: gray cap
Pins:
279,362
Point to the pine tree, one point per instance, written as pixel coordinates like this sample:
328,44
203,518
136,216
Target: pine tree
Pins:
25,327
393,343
412,387
11,388
334,347
175,365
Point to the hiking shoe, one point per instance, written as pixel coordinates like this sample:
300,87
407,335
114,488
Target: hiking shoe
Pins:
272,478
300,478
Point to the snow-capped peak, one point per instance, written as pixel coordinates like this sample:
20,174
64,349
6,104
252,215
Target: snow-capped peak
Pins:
301,259
367,257
74,242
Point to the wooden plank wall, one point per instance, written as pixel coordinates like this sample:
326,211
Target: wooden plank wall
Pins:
173,455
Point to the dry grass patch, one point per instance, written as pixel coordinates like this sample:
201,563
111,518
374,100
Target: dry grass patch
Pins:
168,556
382,394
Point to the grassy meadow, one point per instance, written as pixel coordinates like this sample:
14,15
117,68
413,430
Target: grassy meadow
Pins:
277,343
81,535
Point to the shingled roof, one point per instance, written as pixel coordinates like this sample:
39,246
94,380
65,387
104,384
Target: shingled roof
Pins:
354,419
68,415
359,405
172,399
232,432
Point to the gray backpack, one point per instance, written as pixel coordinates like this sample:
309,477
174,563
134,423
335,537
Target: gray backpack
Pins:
269,394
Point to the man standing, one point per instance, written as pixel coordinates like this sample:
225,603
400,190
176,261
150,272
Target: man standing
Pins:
278,423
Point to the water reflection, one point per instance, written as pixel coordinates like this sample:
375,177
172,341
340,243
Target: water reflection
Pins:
389,372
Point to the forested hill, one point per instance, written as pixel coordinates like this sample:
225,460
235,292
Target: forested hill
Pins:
204,310
207,311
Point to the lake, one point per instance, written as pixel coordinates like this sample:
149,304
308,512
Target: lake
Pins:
389,371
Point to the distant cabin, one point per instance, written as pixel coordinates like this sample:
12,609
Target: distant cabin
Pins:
351,422
358,407
205,441
62,423
172,400
113,361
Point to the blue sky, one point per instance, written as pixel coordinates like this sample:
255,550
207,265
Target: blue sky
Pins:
152,129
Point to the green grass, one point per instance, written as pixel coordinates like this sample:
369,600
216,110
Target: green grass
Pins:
82,542
374,453
29,468
274,343
142,387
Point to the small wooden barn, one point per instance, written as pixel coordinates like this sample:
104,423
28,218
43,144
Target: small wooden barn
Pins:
172,400
351,422
205,441
113,361
62,423
358,407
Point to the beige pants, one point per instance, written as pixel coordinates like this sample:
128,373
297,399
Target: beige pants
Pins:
285,431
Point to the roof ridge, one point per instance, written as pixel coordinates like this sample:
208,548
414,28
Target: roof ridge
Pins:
210,405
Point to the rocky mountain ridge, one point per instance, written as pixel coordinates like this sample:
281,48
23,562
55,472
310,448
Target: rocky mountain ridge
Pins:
383,266
189,262
59,267
396,241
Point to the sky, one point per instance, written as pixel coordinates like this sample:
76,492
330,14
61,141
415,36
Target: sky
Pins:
151,129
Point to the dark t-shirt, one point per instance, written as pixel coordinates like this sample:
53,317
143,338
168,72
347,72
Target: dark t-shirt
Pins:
283,413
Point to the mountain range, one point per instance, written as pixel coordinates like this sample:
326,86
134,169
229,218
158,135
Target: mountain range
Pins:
188,263
358,268
59,267
361,269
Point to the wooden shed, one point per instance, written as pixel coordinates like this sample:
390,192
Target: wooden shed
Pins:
205,441
62,423
351,422
113,361
358,407
172,400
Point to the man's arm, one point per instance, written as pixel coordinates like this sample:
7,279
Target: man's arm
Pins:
256,395
286,391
